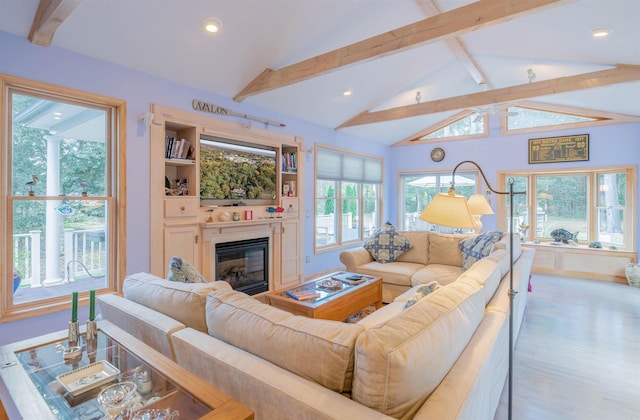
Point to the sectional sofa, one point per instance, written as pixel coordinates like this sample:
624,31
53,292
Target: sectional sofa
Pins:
432,256
443,357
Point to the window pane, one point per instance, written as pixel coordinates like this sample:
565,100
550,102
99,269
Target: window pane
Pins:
566,203
325,213
58,149
611,208
521,219
370,214
350,225
59,243
419,189
529,118
471,124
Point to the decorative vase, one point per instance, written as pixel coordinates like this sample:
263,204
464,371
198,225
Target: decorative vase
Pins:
632,271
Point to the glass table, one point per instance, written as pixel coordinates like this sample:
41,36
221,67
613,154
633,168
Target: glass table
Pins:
332,296
42,383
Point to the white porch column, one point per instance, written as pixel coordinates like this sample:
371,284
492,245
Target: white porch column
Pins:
53,218
36,281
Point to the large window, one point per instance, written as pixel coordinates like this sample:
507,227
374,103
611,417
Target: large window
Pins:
595,205
62,196
417,189
347,195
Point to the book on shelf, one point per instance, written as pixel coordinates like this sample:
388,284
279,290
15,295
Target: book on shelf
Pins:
289,163
176,149
303,294
350,278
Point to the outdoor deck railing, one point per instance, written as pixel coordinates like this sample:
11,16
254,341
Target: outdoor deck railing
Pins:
84,253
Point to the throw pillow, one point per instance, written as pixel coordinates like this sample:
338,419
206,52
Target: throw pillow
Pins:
477,247
182,271
386,244
421,292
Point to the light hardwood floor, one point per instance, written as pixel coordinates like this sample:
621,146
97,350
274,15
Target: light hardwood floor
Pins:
578,352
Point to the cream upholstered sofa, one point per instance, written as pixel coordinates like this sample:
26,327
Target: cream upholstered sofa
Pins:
444,357
432,256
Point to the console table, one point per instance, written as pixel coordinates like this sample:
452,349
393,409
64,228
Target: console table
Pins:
29,388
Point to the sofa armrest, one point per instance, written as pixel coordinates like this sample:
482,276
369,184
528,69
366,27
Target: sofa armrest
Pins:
270,391
354,258
150,326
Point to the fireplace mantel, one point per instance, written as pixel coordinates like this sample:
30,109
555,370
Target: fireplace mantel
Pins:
221,232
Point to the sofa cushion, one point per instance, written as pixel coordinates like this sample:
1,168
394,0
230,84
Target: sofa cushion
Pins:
486,274
316,349
477,247
386,244
182,271
397,273
504,244
501,257
382,315
443,274
184,302
400,362
419,251
420,292
445,248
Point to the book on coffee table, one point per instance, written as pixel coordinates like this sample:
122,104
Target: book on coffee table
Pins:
303,294
350,278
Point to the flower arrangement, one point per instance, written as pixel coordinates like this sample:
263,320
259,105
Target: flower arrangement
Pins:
279,210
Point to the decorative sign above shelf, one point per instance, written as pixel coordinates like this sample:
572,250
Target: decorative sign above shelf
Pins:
559,149
215,109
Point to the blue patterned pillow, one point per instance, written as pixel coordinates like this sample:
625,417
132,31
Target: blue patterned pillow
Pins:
182,271
386,244
477,247
421,292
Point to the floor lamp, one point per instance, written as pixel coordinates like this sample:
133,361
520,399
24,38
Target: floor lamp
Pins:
453,210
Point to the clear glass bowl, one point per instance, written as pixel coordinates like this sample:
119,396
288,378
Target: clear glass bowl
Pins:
117,398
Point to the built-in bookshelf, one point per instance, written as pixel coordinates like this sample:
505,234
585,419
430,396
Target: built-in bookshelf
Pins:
289,172
180,167
182,223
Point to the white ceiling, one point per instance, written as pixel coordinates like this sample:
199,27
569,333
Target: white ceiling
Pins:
165,38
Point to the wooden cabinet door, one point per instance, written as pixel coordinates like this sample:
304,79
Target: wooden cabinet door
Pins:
290,253
181,241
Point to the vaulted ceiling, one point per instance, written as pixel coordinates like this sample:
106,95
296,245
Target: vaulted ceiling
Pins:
409,64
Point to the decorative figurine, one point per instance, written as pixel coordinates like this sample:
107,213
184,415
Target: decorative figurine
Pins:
32,183
84,185
564,236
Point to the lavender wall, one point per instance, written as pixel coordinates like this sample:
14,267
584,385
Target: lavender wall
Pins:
608,145
615,145
53,65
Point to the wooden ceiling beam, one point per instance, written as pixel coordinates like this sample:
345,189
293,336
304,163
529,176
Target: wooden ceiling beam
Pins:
49,16
622,73
457,46
464,19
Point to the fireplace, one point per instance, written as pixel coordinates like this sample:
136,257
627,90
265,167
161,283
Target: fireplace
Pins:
244,264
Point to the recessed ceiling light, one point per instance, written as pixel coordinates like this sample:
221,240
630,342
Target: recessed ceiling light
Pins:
600,32
212,25
346,92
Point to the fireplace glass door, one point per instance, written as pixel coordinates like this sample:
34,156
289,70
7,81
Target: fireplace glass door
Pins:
244,265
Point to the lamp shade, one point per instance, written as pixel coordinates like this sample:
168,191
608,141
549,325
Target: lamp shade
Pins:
448,210
479,205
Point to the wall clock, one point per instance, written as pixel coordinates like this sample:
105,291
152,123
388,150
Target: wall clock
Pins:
437,154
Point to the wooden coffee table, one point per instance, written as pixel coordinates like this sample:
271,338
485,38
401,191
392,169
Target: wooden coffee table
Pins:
335,305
